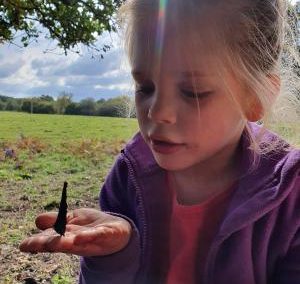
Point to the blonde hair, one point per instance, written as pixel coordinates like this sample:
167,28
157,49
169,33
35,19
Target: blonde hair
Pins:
258,48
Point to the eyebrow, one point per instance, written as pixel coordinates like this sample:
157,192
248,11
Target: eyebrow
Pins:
195,73
136,74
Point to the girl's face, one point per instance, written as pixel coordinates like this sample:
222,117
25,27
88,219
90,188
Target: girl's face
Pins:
181,98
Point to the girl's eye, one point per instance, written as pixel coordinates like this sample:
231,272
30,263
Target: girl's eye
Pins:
145,89
196,95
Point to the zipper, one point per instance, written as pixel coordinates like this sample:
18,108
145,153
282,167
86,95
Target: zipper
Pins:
130,164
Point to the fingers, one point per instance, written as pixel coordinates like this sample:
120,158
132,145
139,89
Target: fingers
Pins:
45,220
83,241
89,232
85,216
81,216
48,241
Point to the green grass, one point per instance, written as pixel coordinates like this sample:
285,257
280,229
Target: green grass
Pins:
51,149
55,129
61,279
290,132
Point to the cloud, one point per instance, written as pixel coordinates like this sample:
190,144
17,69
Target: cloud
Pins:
9,68
121,87
92,67
31,72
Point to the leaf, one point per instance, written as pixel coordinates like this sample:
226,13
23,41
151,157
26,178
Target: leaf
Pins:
69,22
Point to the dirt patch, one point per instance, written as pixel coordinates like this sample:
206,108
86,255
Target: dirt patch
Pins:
40,267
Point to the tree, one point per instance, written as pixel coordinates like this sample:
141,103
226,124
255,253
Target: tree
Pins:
70,22
72,108
62,102
46,98
126,107
36,105
13,104
43,107
87,106
26,105
2,105
121,106
4,98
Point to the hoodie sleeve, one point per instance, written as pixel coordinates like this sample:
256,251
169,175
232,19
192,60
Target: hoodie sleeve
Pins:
120,267
288,271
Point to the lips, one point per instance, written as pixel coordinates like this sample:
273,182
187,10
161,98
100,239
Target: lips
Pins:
165,146
166,143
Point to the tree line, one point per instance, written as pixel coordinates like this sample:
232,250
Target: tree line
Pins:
121,106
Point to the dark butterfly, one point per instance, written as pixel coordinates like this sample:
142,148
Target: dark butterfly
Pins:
61,220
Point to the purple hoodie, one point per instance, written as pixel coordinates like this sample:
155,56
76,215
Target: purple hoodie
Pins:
258,240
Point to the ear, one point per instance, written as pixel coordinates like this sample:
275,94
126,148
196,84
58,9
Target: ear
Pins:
254,110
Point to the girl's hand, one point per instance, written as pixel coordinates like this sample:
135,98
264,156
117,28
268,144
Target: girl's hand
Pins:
89,232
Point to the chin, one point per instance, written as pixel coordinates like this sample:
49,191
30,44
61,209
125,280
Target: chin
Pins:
169,164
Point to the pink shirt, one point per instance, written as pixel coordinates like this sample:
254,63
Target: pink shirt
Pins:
192,229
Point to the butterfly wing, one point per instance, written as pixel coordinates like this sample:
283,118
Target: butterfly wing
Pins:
61,220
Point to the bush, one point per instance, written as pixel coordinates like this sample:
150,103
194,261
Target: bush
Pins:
72,108
38,106
13,105
121,106
43,107
2,105
87,106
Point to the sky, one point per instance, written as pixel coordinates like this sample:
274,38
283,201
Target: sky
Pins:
27,72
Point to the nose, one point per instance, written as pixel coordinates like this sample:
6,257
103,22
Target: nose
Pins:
162,109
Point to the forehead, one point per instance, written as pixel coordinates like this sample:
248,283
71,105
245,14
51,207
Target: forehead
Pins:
176,37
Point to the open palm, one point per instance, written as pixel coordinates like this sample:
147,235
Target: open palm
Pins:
89,232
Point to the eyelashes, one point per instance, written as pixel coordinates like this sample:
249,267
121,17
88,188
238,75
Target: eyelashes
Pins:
149,89
143,90
196,95
146,89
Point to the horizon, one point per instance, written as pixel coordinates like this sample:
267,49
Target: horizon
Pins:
55,98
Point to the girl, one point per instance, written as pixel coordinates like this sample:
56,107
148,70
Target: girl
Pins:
202,194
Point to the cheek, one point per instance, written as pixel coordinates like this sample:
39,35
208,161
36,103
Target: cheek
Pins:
141,113
215,118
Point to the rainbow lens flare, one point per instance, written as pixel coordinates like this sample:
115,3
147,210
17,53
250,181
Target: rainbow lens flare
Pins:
161,27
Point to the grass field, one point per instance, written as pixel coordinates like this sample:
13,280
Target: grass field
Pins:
49,150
